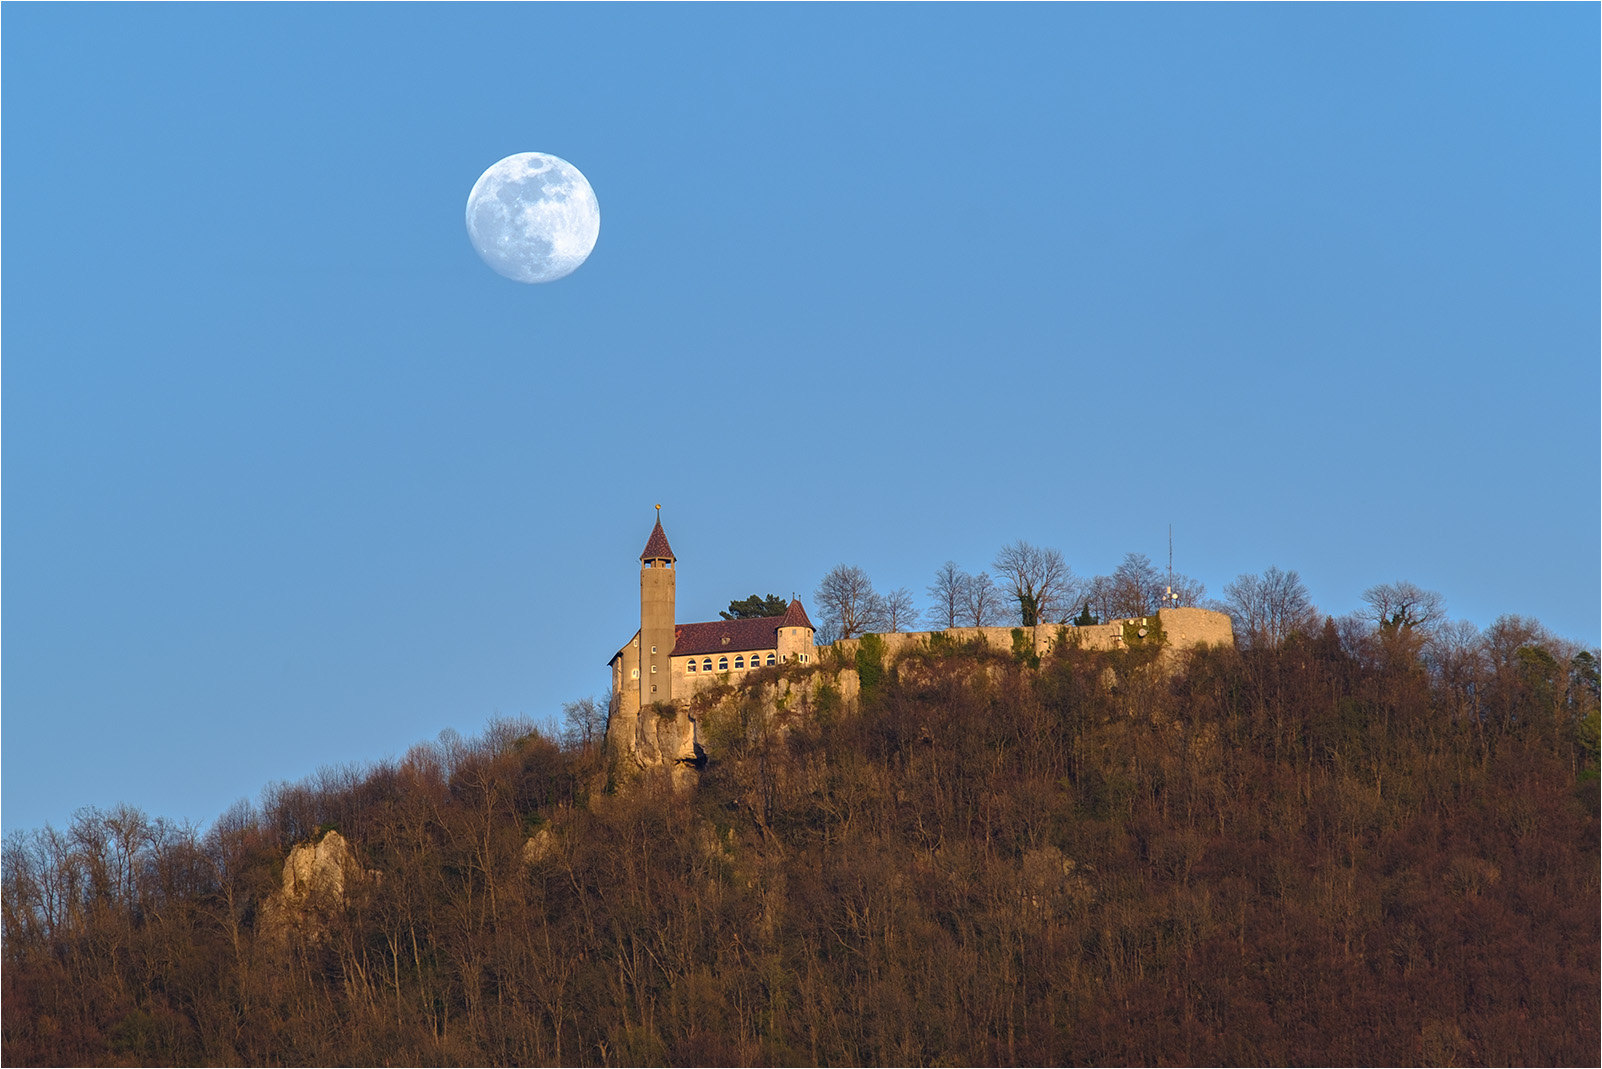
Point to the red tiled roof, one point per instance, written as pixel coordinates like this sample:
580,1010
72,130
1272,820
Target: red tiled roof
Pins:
795,616
726,636
736,636
657,548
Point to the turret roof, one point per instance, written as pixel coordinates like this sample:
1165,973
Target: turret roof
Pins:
657,548
795,616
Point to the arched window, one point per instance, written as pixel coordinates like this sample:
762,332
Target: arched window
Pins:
706,665
739,662
770,658
723,664
692,666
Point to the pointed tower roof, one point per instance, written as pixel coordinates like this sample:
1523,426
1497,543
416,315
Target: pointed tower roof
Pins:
657,548
795,616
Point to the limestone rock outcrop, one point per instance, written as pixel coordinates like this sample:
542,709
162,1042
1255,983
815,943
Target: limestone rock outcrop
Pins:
660,737
667,737
318,870
540,846
318,879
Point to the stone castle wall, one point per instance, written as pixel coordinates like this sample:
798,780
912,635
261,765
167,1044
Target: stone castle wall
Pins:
1182,629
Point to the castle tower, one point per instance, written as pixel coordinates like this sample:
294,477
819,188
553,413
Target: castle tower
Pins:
794,637
657,580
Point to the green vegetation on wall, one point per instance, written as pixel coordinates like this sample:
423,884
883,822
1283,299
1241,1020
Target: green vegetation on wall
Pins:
1023,648
1139,648
870,662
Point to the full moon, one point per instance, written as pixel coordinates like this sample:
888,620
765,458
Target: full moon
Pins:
533,217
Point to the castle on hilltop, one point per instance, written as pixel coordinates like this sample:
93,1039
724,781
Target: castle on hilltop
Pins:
666,660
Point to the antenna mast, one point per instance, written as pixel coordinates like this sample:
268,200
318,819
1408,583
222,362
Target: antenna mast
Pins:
1172,600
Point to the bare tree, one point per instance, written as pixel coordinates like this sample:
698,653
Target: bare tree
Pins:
1399,606
584,722
1508,634
1098,597
1137,587
849,605
984,601
1267,608
1358,637
948,596
1456,657
1039,579
897,610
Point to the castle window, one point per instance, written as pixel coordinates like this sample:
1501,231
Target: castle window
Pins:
770,658
692,666
739,662
706,665
723,664
653,649
653,669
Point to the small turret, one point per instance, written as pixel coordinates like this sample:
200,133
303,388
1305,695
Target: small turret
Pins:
795,634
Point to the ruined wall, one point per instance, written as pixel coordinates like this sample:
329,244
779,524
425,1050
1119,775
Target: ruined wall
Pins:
1182,628
1189,628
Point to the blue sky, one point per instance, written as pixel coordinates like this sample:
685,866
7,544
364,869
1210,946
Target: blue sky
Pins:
291,478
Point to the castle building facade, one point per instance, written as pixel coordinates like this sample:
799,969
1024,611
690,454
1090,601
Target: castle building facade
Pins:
667,660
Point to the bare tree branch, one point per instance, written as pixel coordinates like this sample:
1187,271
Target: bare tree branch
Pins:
948,596
1403,606
897,611
1268,608
984,602
1038,579
848,603
584,722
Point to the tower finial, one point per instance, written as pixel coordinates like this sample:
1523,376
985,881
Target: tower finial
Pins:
656,547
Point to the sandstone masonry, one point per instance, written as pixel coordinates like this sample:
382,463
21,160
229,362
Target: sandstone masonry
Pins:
660,671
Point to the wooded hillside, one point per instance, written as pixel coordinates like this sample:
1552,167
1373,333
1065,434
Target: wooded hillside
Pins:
1338,850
